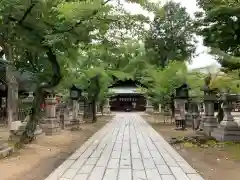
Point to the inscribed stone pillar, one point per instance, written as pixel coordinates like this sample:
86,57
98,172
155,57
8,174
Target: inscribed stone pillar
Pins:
81,106
228,130
98,109
106,107
75,121
209,120
149,106
160,108
12,98
51,124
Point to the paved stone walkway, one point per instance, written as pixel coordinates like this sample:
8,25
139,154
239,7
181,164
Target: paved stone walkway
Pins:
127,148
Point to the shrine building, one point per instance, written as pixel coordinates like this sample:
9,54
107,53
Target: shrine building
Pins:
127,96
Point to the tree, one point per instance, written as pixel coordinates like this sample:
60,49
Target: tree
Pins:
47,32
163,82
219,27
170,36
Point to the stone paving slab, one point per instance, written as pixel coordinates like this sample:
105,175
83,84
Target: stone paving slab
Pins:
127,148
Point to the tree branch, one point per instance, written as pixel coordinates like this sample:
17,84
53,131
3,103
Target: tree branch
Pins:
28,11
30,57
56,70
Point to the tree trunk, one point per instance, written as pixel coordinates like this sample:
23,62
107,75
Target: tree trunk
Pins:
28,135
94,114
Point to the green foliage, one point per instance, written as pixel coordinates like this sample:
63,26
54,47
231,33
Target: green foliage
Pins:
163,82
170,36
219,26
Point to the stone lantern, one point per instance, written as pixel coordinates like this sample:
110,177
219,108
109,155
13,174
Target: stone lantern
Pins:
75,94
209,121
181,97
51,124
228,130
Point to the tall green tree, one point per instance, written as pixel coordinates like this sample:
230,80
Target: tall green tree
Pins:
220,29
170,36
48,32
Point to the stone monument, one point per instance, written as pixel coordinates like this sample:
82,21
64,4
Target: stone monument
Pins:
51,124
149,106
228,130
209,121
106,107
75,120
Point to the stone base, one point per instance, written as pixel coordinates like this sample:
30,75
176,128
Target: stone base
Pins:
51,126
5,151
209,124
149,109
74,124
106,110
222,134
17,130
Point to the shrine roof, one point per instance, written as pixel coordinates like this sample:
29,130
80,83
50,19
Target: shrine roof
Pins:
125,90
127,83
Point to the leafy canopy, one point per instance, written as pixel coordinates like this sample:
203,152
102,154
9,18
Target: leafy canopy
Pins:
219,26
170,36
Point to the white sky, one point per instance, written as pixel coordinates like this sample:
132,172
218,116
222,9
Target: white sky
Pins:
203,59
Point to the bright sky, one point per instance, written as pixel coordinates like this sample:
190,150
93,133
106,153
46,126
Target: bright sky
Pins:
203,59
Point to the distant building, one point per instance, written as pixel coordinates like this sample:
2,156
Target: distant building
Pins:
127,96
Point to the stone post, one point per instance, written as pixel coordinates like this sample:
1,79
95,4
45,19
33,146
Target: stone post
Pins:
81,106
75,121
106,107
66,117
51,124
180,113
160,108
209,120
98,109
202,111
12,98
228,130
149,106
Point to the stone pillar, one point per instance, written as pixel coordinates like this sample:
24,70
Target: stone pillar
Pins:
106,107
75,121
209,120
159,108
98,109
228,130
66,117
51,124
180,114
12,97
81,106
202,111
149,106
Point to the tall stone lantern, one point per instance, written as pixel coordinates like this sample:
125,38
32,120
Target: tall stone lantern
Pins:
51,124
228,130
209,121
182,95
75,94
